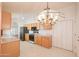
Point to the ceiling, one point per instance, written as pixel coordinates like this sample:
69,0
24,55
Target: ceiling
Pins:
34,6
26,12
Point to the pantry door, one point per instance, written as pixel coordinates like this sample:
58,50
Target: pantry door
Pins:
57,35
62,35
76,28
77,36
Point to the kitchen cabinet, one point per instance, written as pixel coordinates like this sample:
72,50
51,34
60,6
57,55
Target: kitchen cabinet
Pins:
32,25
28,26
0,48
47,26
38,40
6,20
45,41
27,37
10,49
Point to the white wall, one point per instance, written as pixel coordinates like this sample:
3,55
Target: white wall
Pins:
62,32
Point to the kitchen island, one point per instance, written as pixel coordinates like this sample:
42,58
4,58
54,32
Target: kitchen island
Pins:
10,47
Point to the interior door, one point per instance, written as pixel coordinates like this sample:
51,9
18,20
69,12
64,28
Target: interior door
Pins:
76,27
62,36
67,35
77,45
56,36
76,37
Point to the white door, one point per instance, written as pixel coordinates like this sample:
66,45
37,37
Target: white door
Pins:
77,36
67,35
62,36
77,45
56,36
76,28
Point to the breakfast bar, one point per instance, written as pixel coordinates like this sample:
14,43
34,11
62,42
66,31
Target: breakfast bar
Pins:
9,47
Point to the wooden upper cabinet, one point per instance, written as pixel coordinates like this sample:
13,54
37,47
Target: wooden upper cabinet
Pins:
32,25
29,26
36,25
47,26
6,20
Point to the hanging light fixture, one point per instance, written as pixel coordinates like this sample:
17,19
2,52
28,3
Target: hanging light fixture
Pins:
48,16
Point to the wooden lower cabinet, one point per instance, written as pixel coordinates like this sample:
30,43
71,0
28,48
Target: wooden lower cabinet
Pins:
11,49
38,40
43,41
27,37
47,42
0,48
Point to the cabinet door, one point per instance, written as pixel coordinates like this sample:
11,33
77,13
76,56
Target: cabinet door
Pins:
47,42
76,28
29,26
38,40
0,48
6,20
47,26
11,49
27,37
34,24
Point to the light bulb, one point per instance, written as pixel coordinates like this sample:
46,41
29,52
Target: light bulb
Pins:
55,18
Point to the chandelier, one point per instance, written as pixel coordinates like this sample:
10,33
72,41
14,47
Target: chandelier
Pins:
48,16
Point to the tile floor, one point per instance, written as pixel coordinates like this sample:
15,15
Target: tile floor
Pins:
32,50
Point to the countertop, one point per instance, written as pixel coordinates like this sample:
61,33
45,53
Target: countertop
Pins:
7,40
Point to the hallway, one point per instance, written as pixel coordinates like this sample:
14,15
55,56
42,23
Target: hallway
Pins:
33,50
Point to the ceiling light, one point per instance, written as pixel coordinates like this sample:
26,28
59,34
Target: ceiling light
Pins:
51,16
